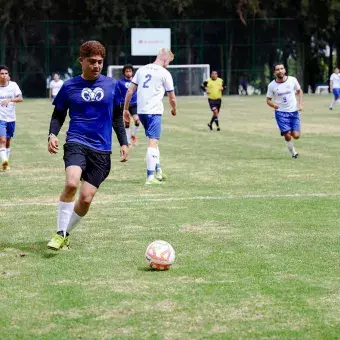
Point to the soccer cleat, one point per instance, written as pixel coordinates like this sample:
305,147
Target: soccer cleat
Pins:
4,165
210,126
161,176
218,129
134,140
331,108
295,156
57,242
153,181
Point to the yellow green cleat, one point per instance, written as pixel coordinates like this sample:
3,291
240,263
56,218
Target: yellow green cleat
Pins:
57,242
161,176
153,181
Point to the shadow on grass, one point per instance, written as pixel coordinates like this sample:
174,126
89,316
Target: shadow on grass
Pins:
146,269
24,249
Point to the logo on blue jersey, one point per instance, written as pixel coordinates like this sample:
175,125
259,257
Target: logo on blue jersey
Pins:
92,95
127,84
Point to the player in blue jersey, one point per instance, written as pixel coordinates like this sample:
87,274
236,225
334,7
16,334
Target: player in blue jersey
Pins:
89,100
121,88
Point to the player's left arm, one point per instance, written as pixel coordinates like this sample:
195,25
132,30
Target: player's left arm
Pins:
299,94
223,87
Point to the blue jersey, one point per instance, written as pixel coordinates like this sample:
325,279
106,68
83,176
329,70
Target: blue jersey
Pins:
90,105
121,89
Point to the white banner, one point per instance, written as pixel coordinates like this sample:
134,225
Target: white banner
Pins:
148,41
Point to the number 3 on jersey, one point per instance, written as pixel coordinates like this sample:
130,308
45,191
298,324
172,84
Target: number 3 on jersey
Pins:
148,78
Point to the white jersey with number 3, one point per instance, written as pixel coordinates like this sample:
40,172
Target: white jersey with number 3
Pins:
152,80
284,94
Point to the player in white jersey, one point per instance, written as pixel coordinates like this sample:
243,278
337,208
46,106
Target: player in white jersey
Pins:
10,94
55,86
281,96
152,81
334,86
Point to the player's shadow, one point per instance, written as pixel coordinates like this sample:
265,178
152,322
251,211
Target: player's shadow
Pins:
24,249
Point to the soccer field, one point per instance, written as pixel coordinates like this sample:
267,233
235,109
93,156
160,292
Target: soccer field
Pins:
256,233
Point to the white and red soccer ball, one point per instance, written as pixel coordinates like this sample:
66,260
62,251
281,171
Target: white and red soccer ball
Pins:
160,255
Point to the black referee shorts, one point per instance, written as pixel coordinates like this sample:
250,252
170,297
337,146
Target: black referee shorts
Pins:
96,165
132,109
215,104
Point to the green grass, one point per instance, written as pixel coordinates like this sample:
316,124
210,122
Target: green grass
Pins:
256,233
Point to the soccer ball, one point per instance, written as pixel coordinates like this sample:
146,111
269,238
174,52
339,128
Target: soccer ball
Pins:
160,255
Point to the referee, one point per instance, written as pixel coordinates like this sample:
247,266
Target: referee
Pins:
214,87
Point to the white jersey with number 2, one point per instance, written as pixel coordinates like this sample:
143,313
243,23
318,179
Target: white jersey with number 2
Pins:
152,80
283,94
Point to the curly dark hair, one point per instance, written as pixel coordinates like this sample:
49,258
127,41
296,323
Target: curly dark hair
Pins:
92,47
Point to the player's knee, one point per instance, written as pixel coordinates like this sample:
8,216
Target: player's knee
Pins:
71,186
86,198
296,135
3,140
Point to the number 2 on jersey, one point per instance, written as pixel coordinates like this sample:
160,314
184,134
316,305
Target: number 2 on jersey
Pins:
148,78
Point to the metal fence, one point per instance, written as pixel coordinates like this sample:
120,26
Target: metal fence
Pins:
233,49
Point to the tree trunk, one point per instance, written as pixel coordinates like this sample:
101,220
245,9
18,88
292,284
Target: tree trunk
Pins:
230,55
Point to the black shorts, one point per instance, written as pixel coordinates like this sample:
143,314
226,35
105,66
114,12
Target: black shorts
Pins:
96,165
215,104
133,109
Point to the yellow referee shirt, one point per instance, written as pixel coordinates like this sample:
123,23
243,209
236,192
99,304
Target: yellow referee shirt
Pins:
214,88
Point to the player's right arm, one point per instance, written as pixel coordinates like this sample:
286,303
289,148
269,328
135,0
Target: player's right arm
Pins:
57,119
204,86
128,96
172,102
331,84
170,89
50,93
270,95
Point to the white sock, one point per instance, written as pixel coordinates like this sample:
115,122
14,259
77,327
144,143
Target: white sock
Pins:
332,104
337,102
128,135
64,213
135,130
290,147
151,161
158,164
8,152
73,221
3,154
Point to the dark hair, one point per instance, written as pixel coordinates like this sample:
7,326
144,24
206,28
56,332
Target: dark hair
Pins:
277,64
127,67
92,47
3,67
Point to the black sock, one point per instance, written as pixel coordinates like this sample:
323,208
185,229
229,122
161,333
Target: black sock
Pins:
216,122
212,120
61,233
